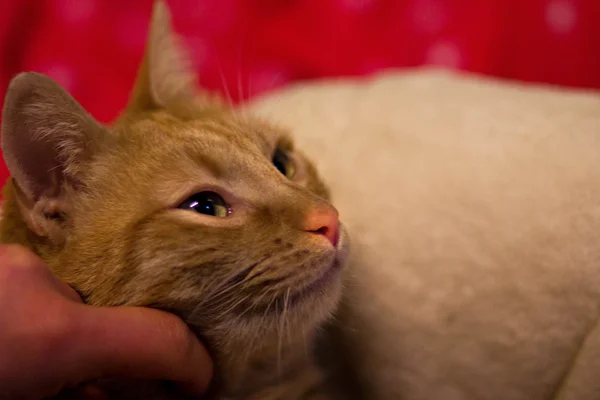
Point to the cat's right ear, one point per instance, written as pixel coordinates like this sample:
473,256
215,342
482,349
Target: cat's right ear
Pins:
166,76
47,140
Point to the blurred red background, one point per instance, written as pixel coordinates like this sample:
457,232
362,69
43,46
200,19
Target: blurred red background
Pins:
245,47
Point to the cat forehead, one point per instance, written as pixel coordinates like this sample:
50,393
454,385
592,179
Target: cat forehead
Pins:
215,146
164,158
230,129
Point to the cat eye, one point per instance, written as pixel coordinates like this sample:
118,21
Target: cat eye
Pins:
283,163
207,203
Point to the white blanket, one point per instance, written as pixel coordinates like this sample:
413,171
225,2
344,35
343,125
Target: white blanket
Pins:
474,211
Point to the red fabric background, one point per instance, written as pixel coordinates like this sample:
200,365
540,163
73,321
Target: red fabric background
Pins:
244,47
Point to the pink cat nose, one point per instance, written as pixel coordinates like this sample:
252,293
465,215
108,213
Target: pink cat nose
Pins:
324,221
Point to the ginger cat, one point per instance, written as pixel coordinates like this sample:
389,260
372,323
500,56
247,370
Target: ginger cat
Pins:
184,205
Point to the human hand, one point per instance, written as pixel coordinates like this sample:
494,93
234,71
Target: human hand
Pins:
50,340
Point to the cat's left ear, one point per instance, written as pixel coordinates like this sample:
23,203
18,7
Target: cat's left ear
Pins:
166,75
48,141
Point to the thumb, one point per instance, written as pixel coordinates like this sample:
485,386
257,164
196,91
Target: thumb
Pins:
140,343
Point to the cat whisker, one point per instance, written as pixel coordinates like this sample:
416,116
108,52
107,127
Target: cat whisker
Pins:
266,312
239,71
279,344
249,87
225,85
227,305
253,272
221,291
229,285
284,315
233,306
226,293
225,290
250,307
282,328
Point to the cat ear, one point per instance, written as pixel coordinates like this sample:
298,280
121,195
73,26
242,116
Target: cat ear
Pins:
166,75
46,139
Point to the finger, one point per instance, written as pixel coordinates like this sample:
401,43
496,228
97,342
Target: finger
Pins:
26,268
64,289
142,343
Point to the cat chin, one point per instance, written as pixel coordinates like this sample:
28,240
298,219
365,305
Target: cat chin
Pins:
298,320
319,287
323,290
303,309
310,307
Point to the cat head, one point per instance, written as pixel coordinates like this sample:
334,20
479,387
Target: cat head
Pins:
182,203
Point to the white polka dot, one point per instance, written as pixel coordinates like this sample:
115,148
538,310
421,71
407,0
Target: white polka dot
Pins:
357,5
428,16
561,16
61,74
444,53
76,11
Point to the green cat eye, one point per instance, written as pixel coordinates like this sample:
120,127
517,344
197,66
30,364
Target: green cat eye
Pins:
207,203
283,163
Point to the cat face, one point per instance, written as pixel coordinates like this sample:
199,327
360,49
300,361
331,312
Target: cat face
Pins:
217,217
181,204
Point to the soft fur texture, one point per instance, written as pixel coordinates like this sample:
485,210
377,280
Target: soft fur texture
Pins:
99,204
474,208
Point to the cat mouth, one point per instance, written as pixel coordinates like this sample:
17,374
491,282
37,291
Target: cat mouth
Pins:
320,283
317,287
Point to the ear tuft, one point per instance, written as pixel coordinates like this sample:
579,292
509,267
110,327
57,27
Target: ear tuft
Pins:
167,74
46,135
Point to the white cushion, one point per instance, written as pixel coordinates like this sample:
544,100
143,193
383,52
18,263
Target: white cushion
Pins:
474,211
